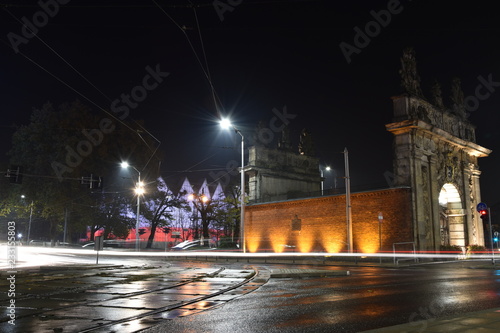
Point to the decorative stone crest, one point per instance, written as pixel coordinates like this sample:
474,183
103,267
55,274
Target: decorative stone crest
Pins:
451,166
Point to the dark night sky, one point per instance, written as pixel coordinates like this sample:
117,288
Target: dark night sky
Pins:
263,55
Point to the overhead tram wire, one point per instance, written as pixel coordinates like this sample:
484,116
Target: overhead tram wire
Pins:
60,57
198,163
205,71
209,76
70,87
89,82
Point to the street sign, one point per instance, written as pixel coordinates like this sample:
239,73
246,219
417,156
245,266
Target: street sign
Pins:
98,246
98,243
380,216
481,206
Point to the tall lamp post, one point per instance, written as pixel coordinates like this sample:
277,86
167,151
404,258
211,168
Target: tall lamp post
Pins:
226,123
323,178
139,190
29,224
348,201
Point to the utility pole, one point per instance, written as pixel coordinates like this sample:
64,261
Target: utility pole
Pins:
348,201
29,225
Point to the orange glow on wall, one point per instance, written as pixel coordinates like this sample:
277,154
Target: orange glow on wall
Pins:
322,227
278,241
367,237
305,241
252,242
368,246
331,245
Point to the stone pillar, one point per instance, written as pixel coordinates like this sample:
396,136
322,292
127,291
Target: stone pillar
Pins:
478,223
434,189
418,199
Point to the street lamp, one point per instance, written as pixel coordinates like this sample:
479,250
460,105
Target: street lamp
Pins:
226,124
348,201
322,177
139,190
29,224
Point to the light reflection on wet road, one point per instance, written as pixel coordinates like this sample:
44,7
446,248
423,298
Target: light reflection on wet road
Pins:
369,298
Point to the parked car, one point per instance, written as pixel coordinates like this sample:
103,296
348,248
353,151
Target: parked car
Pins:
106,244
190,245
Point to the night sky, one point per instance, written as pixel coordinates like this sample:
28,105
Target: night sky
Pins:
259,56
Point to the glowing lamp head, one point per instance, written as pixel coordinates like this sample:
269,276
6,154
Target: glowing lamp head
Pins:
225,123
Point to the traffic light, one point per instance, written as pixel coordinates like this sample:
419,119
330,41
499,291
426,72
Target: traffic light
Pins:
15,174
484,215
94,182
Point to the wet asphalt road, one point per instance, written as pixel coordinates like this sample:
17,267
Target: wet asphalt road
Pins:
369,298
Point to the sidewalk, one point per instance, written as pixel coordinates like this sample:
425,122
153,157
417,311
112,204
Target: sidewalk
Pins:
487,321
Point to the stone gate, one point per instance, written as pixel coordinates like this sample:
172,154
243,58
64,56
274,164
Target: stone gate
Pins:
436,155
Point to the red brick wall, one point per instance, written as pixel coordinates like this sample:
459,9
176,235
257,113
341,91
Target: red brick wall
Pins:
323,224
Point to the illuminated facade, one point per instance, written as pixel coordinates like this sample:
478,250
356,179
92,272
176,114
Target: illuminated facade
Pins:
436,155
319,224
434,194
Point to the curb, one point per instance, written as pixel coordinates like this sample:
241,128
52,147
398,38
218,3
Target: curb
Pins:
298,273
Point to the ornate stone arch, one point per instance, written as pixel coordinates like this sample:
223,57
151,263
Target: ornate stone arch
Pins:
452,216
432,148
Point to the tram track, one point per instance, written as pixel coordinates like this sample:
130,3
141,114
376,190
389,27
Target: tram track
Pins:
109,307
160,310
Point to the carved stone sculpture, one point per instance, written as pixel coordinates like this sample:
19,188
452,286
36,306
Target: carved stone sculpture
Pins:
285,143
457,97
306,145
437,95
410,80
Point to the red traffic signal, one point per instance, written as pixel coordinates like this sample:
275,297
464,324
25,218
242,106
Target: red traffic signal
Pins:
483,214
